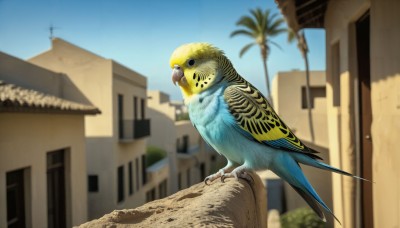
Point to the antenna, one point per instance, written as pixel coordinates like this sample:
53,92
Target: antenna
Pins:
51,31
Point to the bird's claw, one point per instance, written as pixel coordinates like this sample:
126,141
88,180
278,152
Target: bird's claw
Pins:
206,180
214,176
223,178
240,174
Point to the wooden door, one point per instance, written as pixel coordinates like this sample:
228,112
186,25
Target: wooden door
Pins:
363,58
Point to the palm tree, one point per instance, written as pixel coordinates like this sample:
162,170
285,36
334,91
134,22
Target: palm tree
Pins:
260,26
303,48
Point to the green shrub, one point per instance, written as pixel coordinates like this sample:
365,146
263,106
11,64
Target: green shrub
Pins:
154,154
182,116
301,218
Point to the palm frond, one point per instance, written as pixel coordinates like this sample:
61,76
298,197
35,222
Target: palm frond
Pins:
260,25
275,44
245,49
247,22
242,32
277,32
275,26
260,19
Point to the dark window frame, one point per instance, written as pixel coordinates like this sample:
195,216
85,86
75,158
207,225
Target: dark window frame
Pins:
137,174
121,116
130,176
135,108
120,184
15,197
93,183
144,172
56,189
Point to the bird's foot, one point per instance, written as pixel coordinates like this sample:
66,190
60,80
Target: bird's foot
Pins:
214,176
239,172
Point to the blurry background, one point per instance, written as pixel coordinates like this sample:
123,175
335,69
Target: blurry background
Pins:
90,121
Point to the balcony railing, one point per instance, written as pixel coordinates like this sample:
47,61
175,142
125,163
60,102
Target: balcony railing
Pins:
134,129
141,128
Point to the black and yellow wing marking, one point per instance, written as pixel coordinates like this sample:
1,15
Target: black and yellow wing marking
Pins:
257,120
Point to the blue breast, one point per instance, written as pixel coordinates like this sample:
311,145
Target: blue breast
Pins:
209,113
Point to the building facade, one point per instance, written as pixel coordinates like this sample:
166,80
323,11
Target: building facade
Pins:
116,140
363,81
42,148
289,96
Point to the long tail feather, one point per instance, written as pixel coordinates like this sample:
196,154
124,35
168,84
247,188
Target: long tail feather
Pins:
318,164
311,202
289,170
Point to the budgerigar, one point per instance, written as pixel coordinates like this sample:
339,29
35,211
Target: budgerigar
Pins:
239,123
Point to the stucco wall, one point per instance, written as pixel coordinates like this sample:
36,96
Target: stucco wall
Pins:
385,93
385,99
30,76
25,140
92,79
287,95
88,80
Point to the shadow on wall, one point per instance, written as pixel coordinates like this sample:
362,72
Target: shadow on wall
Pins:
71,92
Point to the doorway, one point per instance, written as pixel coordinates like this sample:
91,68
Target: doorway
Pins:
56,207
365,117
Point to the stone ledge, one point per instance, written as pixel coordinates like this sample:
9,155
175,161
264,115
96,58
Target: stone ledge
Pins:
230,204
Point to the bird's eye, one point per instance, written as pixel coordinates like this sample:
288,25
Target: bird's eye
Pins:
191,62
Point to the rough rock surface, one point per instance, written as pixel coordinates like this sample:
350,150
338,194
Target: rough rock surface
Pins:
230,204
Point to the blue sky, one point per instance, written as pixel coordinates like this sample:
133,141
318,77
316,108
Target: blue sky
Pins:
142,34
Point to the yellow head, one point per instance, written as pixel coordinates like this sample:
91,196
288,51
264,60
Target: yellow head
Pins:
195,67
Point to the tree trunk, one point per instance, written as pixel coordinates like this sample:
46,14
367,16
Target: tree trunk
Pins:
308,97
269,96
264,60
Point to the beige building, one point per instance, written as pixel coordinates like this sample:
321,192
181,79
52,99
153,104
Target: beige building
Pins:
190,158
363,101
289,96
42,148
116,140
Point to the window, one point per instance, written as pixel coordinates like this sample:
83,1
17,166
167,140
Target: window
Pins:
144,173
93,183
179,181
315,92
143,108
162,189
137,174
130,175
56,206
188,177
15,199
213,158
335,73
151,195
121,116
135,108
121,193
276,195
202,171
182,146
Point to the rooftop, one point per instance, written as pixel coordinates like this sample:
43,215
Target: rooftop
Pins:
14,98
301,14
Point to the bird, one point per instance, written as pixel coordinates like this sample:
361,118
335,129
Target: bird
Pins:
236,119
